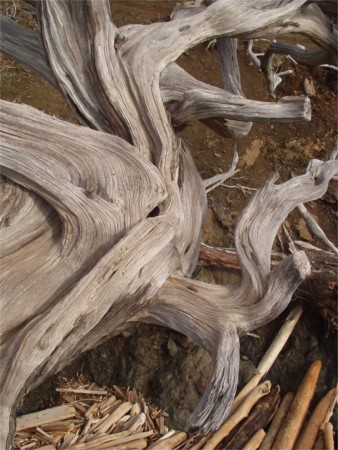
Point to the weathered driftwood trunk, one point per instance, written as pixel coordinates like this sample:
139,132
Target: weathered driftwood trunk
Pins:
319,290
102,222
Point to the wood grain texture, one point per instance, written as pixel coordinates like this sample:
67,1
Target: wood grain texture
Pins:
102,222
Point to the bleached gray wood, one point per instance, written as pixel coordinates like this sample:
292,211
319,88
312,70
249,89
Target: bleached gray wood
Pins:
207,310
298,53
105,230
86,186
195,100
24,46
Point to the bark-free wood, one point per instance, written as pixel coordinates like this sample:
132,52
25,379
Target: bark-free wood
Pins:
277,421
270,356
318,290
293,422
255,441
241,413
46,416
310,430
259,418
103,221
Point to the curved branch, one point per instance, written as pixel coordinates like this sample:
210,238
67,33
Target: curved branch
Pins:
100,189
79,40
120,280
203,311
24,217
25,46
266,211
301,55
187,99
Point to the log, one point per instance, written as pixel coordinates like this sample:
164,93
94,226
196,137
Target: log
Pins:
105,226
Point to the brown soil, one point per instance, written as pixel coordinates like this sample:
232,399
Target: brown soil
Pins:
165,366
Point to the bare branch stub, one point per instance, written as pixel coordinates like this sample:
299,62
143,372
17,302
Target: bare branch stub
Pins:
105,227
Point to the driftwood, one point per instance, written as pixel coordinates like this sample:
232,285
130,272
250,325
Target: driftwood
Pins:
255,441
270,356
310,430
241,413
293,422
318,291
101,223
260,417
277,421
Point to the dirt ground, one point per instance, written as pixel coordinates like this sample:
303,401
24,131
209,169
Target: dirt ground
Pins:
165,366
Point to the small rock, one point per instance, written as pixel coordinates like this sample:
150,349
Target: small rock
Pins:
172,347
309,87
303,231
127,333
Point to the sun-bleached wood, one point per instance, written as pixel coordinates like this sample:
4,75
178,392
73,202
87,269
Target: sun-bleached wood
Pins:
102,222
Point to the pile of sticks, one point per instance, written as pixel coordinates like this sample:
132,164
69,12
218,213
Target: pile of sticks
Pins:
92,418
120,419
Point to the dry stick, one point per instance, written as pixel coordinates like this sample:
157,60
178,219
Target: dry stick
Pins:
46,416
310,431
270,356
291,245
199,443
45,436
188,444
331,407
114,417
105,404
111,441
328,436
315,228
242,412
255,441
135,445
170,443
260,416
217,180
291,427
277,422
83,391
319,444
